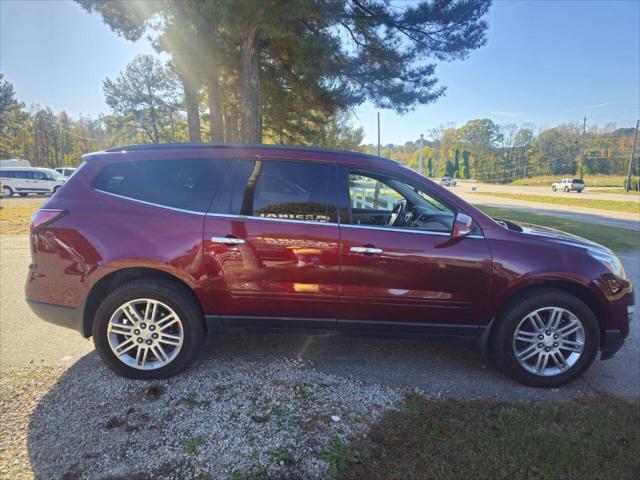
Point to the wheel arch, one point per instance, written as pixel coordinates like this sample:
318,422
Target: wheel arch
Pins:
572,287
114,279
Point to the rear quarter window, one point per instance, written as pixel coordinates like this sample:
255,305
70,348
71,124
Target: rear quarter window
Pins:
187,184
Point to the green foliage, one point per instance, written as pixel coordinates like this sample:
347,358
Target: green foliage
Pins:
146,94
339,456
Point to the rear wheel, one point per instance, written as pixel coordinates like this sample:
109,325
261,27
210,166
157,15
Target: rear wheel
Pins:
148,329
55,189
7,191
553,187
547,338
23,194
579,191
566,189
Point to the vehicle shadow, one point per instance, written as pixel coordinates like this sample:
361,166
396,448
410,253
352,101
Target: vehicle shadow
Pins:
90,416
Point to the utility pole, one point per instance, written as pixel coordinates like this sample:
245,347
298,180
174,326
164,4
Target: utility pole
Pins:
378,133
420,166
633,152
584,128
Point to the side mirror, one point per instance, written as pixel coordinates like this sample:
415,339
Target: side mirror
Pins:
462,226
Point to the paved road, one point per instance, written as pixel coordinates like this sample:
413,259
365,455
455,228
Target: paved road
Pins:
587,194
447,368
627,221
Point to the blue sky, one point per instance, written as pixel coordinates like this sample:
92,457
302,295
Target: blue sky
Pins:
545,63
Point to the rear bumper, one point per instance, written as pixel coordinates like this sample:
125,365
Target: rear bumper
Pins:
68,317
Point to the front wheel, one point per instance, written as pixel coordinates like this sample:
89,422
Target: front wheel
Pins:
547,338
7,191
23,194
148,329
566,189
554,188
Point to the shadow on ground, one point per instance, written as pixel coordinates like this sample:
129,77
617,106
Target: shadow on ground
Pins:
92,424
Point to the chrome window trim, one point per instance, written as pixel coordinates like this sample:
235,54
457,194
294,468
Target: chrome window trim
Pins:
406,230
248,217
144,202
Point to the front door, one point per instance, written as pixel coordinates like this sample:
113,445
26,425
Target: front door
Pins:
402,272
274,258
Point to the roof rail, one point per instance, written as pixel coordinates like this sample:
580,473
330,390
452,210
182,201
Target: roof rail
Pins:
163,146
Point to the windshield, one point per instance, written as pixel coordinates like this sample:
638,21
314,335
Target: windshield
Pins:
54,174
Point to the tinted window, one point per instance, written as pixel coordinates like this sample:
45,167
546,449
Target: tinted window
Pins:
7,174
188,184
38,175
24,174
283,189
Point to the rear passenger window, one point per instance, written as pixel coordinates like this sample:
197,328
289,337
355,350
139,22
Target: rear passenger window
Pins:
187,184
285,190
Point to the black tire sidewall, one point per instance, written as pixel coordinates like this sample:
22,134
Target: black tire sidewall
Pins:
511,317
173,295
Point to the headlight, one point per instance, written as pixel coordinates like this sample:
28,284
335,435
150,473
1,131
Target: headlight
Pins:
610,261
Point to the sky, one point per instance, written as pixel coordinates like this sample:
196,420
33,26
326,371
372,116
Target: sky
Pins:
545,62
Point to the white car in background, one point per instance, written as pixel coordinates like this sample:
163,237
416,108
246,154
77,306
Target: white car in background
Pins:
568,185
26,180
447,182
65,171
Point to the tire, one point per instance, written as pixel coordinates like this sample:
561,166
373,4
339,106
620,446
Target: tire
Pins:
566,189
7,191
55,189
23,194
553,187
514,318
579,191
171,298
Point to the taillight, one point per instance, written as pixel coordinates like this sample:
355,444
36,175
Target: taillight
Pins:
45,216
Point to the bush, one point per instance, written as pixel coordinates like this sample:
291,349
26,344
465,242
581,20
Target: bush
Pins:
635,184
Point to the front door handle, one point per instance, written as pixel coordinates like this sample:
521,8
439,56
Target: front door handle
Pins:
228,240
366,250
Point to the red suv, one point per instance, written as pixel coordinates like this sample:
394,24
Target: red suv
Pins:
148,248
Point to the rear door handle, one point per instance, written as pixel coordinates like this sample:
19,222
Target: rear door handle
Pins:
366,250
228,240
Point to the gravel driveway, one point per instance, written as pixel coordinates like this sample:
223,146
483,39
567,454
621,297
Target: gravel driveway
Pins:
255,406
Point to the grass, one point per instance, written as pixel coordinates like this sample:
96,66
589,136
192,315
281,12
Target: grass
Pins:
611,205
456,439
16,219
614,190
589,181
617,239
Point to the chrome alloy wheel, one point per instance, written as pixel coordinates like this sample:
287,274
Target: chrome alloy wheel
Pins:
145,334
549,341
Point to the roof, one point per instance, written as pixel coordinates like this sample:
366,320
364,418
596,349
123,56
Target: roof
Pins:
298,148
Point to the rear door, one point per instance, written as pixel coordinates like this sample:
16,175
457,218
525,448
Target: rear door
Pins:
272,251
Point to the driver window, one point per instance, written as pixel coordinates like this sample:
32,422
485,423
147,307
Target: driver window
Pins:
393,203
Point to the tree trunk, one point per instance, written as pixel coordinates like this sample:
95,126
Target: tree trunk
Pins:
193,115
231,126
250,88
215,108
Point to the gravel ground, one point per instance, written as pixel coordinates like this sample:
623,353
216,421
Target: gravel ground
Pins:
225,418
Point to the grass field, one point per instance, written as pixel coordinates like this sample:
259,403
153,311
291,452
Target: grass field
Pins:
589,181
615,190
612,205
455,439
15,217
617,239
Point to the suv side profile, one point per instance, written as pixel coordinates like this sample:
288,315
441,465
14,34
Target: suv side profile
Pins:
569,185
147,248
